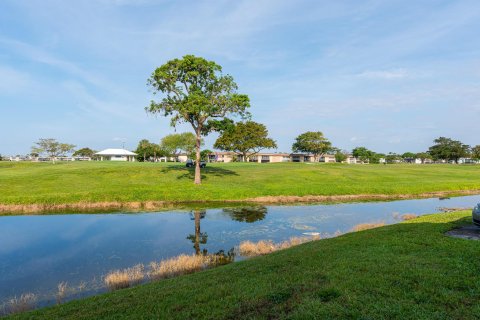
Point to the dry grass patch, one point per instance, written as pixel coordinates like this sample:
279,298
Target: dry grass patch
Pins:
62,292
183,264
367,226
120,279
176,266
262,247
250,249
408,216
26,302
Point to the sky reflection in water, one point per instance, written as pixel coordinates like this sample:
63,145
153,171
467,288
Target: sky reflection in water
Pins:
38,252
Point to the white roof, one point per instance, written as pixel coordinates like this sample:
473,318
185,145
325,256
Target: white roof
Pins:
115,152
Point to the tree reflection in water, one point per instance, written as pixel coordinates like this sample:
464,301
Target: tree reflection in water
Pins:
199,237
247,214
221,257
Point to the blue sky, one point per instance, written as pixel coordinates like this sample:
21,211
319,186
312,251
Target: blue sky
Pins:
388,75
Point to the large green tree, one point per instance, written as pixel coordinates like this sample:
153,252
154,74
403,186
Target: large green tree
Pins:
52,148
366,155
475,152
312,142
448,149
196,92
147,150
176,143
410,155
84,152
247,138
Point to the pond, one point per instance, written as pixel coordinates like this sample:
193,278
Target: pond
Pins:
39,252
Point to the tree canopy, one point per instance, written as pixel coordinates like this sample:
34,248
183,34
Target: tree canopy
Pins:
84,152
312,142
340,156
448,149
247,138
52,148
393,157
423,156
475,152
176,143
408,155
366,155
147,150
196,92
204,154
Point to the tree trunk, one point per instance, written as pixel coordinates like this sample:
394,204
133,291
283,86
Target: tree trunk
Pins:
198,176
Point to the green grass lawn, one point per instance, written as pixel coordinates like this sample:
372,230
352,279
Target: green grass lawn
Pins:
45,183
409,270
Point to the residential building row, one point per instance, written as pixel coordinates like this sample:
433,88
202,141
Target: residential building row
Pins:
226,157
275,157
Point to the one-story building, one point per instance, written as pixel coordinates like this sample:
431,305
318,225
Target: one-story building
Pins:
116,155
265,157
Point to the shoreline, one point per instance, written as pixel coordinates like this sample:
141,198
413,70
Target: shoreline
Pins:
134,206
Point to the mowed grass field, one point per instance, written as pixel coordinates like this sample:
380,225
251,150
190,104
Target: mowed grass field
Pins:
47,183
410,270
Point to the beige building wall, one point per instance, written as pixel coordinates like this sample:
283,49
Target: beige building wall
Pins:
351,160
277,157
280,158
328,158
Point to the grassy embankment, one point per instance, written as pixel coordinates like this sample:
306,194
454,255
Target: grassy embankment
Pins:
409,270
97,182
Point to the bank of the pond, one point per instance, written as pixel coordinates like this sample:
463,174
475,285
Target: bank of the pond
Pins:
106,186
409,270
135,206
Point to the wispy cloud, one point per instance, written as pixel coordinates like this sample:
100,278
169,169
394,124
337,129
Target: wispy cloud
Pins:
385,74
39,55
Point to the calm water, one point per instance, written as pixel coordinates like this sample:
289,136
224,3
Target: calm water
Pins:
39,252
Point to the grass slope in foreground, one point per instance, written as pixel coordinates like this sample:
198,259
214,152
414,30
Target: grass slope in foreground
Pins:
45,183
409,270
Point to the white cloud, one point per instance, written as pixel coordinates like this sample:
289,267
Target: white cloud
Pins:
385,74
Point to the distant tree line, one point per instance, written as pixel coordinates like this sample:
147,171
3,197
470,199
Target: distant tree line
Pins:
172,146
248,138
443,149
